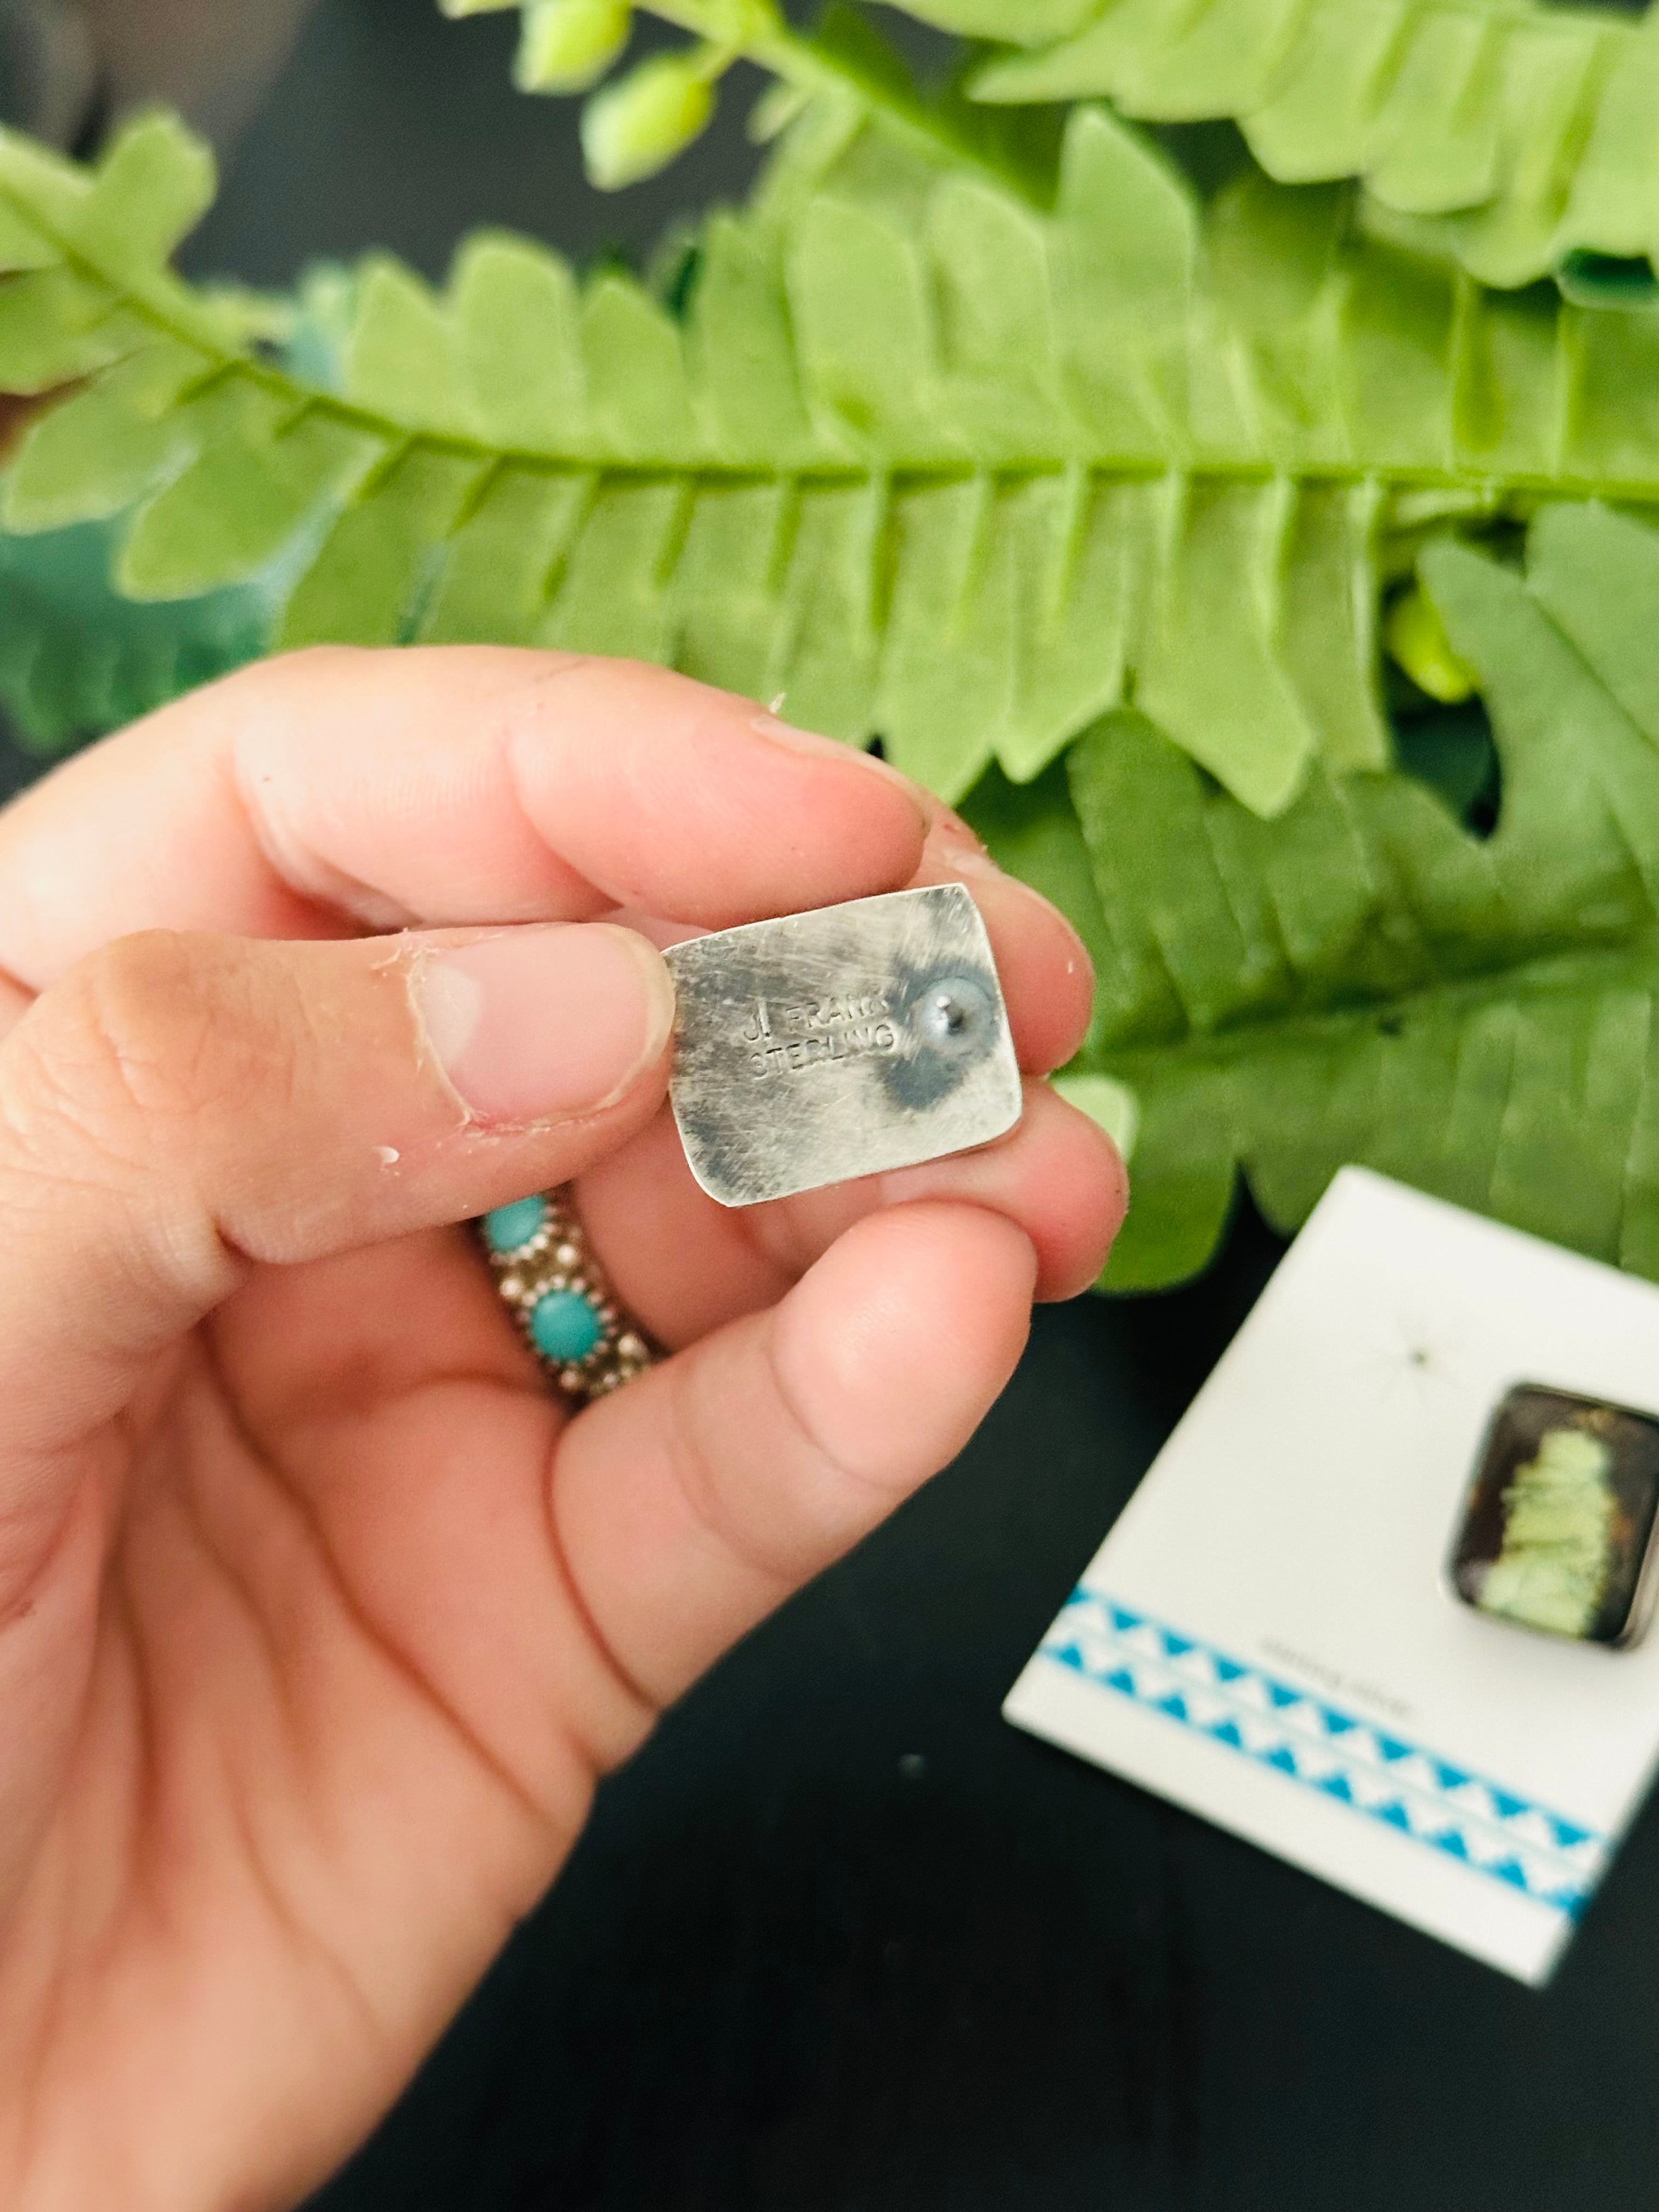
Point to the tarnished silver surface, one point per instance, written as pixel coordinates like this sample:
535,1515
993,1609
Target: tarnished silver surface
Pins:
839,1044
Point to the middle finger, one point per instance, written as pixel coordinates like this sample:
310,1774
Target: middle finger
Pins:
684,1265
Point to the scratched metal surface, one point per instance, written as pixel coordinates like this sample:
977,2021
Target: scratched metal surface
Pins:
843,1042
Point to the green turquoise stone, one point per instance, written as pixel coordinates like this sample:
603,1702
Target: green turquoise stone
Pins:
511,1227
563,1326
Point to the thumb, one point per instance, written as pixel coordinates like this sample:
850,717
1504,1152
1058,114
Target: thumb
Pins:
178,1106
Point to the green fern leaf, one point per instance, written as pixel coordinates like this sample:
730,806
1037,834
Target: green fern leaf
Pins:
984,481
76,659
937,466
1365,981
1520,133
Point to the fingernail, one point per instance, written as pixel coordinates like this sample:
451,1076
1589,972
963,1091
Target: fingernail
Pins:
951,831
973,860
810,741
544,1024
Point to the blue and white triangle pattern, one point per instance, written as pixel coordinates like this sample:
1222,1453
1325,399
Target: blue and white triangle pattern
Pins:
1313,1744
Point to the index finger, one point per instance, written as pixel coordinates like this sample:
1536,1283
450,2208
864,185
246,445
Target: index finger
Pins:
339,789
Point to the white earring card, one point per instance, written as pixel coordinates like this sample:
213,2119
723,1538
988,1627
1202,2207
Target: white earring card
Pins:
1271,1636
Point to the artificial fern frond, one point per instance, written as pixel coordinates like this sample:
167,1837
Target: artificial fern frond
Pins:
978,479
1363,980
938,467
1515,137
1525,133
76,659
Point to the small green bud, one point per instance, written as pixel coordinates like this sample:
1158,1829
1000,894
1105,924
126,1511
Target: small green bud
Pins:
565,45
637,125
1416,638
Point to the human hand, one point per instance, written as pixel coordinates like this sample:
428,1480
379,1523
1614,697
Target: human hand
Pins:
319,1616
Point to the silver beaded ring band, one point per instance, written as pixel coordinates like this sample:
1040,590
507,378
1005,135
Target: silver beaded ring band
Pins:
556,1290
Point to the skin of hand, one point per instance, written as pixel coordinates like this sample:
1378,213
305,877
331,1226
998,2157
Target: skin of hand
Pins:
319,1618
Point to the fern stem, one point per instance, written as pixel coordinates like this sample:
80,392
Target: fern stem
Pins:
757,30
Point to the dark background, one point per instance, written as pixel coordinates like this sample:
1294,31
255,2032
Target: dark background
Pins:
839,1940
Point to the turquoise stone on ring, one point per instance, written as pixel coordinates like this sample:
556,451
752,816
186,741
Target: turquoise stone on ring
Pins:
556,1291
510,1228
564,1326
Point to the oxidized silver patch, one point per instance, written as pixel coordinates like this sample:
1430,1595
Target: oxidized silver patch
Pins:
839,1044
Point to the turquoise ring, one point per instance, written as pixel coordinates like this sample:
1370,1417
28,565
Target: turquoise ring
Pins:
556,1290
